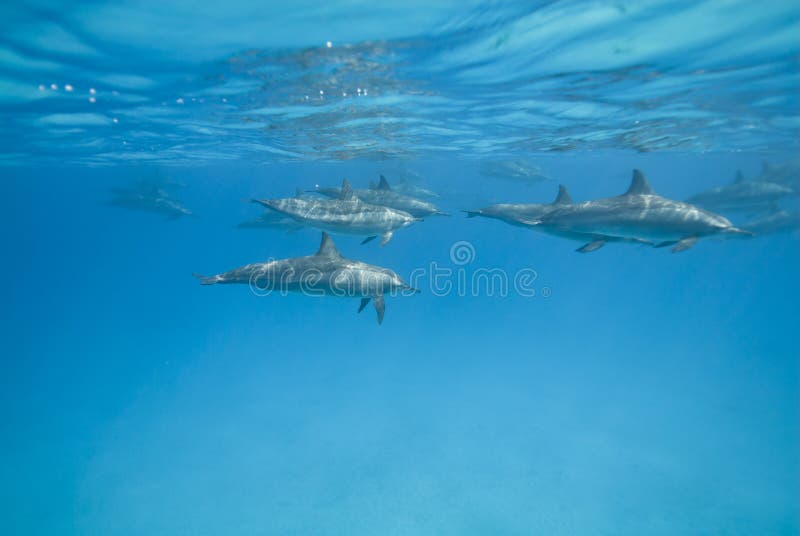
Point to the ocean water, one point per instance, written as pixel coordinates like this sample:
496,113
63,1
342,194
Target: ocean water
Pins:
625,391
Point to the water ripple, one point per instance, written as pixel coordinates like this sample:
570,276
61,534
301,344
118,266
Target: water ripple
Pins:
495,78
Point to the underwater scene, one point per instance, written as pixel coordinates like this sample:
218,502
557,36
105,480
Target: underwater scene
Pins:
400,268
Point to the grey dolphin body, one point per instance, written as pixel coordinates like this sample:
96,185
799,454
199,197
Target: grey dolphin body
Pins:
777,222
345,215
273,220
638,215
325,273
521,215
156,201
741,194
786,174
383,195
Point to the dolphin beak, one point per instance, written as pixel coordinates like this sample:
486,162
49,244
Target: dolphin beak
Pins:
737,231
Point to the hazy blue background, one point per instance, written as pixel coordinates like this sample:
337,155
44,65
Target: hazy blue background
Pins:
650,393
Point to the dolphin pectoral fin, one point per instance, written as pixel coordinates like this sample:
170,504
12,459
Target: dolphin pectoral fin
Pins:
380,306
684,244
364,302
591,246
368,239
385,237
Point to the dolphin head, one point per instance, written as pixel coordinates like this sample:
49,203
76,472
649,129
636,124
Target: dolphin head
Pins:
397,284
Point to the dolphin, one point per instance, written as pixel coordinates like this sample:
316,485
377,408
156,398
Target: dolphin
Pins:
326,273
513,170
407,184
521,215
741,194
345,215
777,222
273,220
407,188
786,174
638,215
156,201
383,195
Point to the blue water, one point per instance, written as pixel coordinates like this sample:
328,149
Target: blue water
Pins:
636,392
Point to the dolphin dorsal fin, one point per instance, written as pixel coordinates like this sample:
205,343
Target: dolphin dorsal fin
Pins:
639,185
346,193
563,197
327,248
384,184
739,177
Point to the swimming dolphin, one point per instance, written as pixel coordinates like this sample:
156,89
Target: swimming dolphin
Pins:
408,185
273,220
786,174
521,215
156,201
383,195
345,215
325,273
777,222
741,194
637,215
513,170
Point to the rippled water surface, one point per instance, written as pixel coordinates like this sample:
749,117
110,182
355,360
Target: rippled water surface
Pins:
115,82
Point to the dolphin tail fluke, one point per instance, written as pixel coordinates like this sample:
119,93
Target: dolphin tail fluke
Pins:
380,306
206,280
364,302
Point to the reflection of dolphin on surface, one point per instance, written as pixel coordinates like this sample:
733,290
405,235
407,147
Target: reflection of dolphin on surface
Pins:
780,221
513,170
154,200
741,194
383,195
639,215
345,215
325,273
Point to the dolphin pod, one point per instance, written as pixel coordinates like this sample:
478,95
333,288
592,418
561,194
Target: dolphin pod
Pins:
347,214
638,216
383,195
